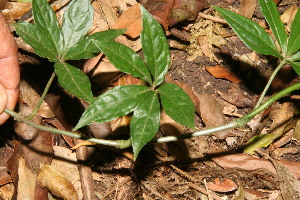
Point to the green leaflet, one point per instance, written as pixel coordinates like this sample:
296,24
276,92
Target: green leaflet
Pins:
78,19
74,81
35,38
253,35
177,104
294,38
145,122
295,57
296,67
125,59
272,16
155,47
85,48
46,22
116,102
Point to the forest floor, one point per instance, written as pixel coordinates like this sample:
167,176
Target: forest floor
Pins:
224,79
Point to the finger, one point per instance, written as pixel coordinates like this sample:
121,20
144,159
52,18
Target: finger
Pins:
12,98
9,68
3,98
9,62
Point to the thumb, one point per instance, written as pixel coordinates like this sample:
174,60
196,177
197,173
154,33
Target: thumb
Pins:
3,98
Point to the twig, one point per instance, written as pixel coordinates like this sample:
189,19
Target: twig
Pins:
212,18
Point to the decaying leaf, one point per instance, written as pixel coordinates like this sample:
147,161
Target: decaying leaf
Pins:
249,163
247,8
288,16
65,162
26,183
219,185
220,72
31,98
170,12
289,184
25,131
131,20
53,180
212,115
15,10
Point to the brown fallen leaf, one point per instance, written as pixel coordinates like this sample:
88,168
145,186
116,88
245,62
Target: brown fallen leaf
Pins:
4,176
249,163
288,16
212,115
53,180
170,12
31,98
289,185
131,20
15,10
26,182
219,72
247,8
219,185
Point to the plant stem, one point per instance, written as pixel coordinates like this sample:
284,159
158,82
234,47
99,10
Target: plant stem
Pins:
30,117
114,143
234,124
127,143
263,94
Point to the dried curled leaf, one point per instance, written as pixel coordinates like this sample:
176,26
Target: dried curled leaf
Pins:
170,12
225,185
53,180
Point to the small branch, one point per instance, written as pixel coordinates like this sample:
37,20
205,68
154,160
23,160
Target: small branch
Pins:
212,18
263,94
30,117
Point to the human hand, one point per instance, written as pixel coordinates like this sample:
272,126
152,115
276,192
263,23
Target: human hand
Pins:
9,70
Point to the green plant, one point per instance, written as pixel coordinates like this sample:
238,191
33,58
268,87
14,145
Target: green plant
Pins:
255,37
68,43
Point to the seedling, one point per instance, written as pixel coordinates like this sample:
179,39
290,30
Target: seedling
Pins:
68,42
255,37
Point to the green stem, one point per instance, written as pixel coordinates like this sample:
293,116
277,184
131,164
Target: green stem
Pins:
234,124
113,143
263,94
127,143
30,117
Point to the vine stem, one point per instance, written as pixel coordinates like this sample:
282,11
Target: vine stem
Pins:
263,94
121,144
30,117
115,143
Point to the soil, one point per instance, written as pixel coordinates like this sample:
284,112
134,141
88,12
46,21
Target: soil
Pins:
186,169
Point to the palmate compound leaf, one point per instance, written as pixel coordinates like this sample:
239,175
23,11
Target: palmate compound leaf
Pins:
125,59
77,20
114,103
253,35
155,47
294,38
145,122
272,16
74,81
177,104
85,48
